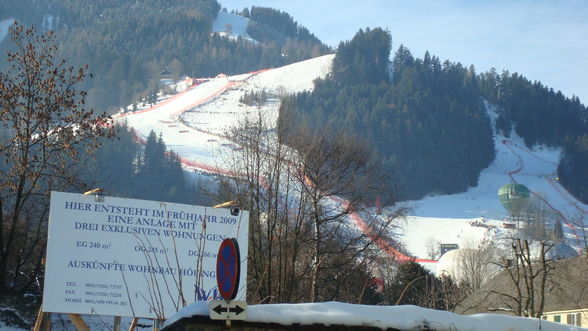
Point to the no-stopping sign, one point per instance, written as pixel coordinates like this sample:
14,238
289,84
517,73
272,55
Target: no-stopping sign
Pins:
228,268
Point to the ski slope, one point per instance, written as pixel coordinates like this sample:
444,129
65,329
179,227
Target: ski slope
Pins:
194,124
535,168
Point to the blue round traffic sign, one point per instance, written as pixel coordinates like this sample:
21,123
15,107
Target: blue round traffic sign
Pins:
228,268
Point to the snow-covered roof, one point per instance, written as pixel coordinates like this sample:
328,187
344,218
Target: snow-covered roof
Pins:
165,73
563,290
561,251
555,250
384,317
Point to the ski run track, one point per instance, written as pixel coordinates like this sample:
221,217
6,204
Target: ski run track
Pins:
194,142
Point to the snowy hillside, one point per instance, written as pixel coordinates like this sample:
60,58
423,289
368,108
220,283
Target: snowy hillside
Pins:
193,123
442,219
231,25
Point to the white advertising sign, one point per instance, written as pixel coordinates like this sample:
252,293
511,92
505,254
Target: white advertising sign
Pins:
127,257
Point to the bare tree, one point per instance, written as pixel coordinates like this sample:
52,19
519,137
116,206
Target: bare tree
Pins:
303,198
580,229
337,175
45,128
410,283
259,181
528,272
528,264
433,248
536,218
475,265
451,294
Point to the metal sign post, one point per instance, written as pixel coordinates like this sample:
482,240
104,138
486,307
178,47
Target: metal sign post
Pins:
228,310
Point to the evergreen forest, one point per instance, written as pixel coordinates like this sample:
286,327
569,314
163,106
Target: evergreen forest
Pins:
123,168
428,120
126,44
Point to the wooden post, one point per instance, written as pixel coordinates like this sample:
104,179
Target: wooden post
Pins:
39,320
47,322
156,324
116,326
133,324
78,322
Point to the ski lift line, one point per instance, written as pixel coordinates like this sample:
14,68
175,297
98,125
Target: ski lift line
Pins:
511,175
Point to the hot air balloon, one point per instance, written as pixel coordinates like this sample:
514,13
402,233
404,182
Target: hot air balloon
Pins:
514,197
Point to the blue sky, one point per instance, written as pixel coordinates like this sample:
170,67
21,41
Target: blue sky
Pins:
543,40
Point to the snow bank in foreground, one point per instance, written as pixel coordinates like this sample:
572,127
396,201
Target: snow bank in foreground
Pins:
399,317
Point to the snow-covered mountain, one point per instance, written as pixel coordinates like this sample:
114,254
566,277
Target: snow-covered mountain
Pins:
193,124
